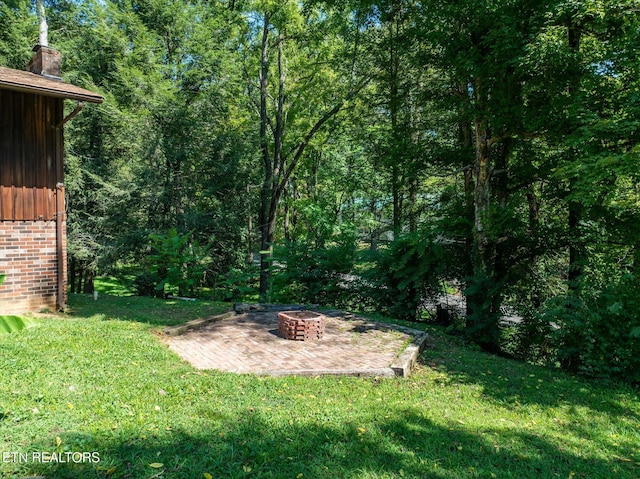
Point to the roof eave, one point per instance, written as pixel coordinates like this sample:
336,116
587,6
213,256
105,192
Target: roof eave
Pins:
92,98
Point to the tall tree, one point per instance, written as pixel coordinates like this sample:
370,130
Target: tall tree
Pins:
298,93
43,36
479,51
163,151
18,32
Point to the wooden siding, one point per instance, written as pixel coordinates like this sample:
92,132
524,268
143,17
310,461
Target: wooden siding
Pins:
30,156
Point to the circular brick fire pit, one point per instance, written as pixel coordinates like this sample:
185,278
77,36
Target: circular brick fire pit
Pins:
300,325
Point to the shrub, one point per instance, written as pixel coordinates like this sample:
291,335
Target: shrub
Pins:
146,284
598,331
303,272
411,269
237,284
532,340
178,262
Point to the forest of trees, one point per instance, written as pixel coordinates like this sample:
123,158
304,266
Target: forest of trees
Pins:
364,154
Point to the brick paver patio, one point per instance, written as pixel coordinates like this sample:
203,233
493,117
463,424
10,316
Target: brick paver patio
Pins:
249,343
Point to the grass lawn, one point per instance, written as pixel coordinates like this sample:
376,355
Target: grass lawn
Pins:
100,381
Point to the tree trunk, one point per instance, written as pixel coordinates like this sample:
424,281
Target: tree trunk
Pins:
484,294
481,199
88,281
80,275
535,296
375,231
394,111
397,200
43,37
279,167
576,253
266,229
286,224
249,227
413,202
466,141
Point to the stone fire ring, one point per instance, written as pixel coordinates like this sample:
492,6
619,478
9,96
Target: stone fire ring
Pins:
300,325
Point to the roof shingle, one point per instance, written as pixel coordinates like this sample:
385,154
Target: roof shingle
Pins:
28,82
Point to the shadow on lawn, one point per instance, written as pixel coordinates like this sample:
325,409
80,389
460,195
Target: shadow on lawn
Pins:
512,384
409,446
154,311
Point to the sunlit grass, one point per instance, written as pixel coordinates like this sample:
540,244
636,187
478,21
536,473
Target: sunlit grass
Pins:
123,285
98,380
160,312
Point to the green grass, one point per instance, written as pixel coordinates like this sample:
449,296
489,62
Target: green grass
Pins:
99,380
143,309
121,285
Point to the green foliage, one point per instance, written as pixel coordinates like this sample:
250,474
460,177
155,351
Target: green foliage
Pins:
544,93
598,330
2,278
484,299
9,324
237,285
178,263
18,31
167,148
532,340
411,269
147,284
305,272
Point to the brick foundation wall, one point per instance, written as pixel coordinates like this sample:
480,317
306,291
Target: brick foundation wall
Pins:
28,258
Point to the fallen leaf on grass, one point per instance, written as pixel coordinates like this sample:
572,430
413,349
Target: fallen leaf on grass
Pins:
156,465
619,458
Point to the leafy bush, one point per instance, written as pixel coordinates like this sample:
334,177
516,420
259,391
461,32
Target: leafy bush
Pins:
412,268
484,299
599,331
146,284
303,272
532,340
237,284
178,262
